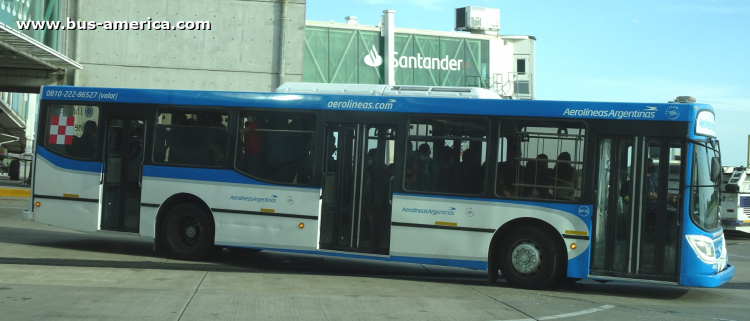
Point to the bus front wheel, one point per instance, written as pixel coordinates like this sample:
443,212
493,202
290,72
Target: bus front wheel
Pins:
529,259
188,232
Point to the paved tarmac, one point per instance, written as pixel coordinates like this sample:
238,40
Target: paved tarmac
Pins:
48,273
14,188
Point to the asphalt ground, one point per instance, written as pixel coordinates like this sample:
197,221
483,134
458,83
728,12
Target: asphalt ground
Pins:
48,273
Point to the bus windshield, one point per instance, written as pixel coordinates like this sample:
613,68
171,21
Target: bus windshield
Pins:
704,192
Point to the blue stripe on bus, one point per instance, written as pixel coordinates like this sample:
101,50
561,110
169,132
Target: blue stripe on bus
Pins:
67,163
206,174
353,103
469,264
565,207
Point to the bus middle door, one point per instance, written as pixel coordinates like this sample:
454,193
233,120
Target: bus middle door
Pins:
357,188
123,164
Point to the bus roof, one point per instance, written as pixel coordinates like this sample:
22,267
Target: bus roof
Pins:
386,90
371,103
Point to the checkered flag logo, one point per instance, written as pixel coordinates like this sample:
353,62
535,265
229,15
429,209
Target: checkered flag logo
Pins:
61,130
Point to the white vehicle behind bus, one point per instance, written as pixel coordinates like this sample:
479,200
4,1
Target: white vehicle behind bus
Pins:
735,199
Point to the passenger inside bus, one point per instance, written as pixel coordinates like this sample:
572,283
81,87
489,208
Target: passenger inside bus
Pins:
410,154
135,154
444,160
216,139
427,171
650,186
85,146
177,142
537,173
285,149
160,143
502,188
563,178
410,178
467,176
509,170
252,145
650,195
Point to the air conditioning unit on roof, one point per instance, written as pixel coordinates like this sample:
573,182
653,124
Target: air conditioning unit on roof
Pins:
477,18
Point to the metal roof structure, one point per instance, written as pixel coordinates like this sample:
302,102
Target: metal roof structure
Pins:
21,51
12,129
25,66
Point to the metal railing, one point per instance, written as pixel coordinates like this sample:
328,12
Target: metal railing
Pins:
516,85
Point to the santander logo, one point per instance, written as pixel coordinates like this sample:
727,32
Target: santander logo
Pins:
373,59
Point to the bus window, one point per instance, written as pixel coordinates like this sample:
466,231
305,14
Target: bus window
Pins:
541,160
73,131
446,155
276,146
197,138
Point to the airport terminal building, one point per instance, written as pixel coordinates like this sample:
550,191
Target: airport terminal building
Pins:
351,53
250,45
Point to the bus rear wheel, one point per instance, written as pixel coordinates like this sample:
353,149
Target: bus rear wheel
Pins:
188,233
529,259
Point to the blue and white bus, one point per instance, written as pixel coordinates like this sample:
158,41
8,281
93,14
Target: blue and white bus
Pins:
539,191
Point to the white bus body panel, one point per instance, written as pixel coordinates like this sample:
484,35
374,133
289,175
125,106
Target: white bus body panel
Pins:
481,214
61,182
278,232
266,229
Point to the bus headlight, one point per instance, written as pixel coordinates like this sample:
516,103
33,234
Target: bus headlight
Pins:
703,246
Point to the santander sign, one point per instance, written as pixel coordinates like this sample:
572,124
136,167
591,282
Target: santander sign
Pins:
373,59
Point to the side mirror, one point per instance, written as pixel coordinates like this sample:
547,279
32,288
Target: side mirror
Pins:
716,169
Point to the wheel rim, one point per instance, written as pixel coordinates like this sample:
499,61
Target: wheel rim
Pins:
188,231
526,258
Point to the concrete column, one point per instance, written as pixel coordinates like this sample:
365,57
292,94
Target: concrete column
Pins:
282,43
388,30
532,66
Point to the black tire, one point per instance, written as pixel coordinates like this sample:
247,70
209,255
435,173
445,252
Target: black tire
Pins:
537,259
188,233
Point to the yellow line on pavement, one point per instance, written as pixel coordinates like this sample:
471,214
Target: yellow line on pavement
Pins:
12,192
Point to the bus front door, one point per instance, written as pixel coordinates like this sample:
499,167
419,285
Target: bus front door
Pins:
637,223
357,188
122,175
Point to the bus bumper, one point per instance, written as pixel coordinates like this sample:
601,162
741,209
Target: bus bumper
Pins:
28,215
709,281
